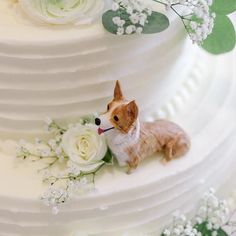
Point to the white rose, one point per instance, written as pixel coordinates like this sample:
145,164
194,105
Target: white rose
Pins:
64,11
84,146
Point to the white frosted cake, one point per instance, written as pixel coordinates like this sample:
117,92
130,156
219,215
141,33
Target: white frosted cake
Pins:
65,72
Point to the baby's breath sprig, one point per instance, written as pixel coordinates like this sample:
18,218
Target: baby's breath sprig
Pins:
211,219
72,158
198,19
66,184
132,15
50,153
206,21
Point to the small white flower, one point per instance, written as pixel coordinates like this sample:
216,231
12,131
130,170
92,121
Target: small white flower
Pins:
120,31
129,10
48,121
177,231
199,220
214,233
139,30
193,25
73,168
38,141
115,6
44,152
58,150
52,143
137,13
130,29
209,226
55,210
134,18
167,232
116,20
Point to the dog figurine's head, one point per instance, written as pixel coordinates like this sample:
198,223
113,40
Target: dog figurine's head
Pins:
121,114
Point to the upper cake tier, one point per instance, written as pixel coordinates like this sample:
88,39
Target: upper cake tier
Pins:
65,72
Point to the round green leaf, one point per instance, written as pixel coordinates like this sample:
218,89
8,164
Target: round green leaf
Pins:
157,22
108,23
222,38
223,7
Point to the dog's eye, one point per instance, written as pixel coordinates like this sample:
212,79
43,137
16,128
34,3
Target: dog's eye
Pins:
108,107
116,118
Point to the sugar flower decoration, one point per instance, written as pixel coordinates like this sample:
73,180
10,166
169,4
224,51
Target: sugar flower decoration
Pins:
64,11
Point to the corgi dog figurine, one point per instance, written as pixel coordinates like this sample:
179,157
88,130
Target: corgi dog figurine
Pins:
131,141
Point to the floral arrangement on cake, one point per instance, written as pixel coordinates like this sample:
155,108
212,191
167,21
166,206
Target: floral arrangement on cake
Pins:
75,153
213,218
71,159
206,21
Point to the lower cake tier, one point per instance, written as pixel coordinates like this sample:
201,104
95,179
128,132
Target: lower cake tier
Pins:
139,203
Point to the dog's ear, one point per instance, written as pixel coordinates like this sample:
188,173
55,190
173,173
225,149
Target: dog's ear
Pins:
132,110
117,92
131,115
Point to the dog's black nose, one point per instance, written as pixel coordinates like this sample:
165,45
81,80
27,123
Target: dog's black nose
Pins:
97,121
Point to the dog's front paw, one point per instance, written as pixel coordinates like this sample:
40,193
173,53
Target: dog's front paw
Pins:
133,164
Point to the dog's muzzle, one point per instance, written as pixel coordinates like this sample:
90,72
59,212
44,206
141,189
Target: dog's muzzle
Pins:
100,130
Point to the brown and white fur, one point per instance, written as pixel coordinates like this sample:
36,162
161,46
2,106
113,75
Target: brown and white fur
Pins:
131,141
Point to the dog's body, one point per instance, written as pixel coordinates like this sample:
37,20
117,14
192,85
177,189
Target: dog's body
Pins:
131,141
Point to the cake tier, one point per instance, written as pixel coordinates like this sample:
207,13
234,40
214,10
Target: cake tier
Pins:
65,72
143,201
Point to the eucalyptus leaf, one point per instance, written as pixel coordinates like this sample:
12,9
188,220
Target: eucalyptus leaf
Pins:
108,157
157,22
222,39
223,7
108,22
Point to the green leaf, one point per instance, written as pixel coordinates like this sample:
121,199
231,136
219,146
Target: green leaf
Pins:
108,23
157,22
223,7
206,232
203,229
221,232
222,39
108,159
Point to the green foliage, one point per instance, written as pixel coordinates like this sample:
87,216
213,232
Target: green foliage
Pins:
157,22
108,159
206,232
222,39
223,7
107,21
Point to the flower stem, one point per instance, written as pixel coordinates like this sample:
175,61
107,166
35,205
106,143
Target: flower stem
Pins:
160,2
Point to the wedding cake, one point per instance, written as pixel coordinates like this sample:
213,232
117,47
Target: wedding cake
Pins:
67,71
